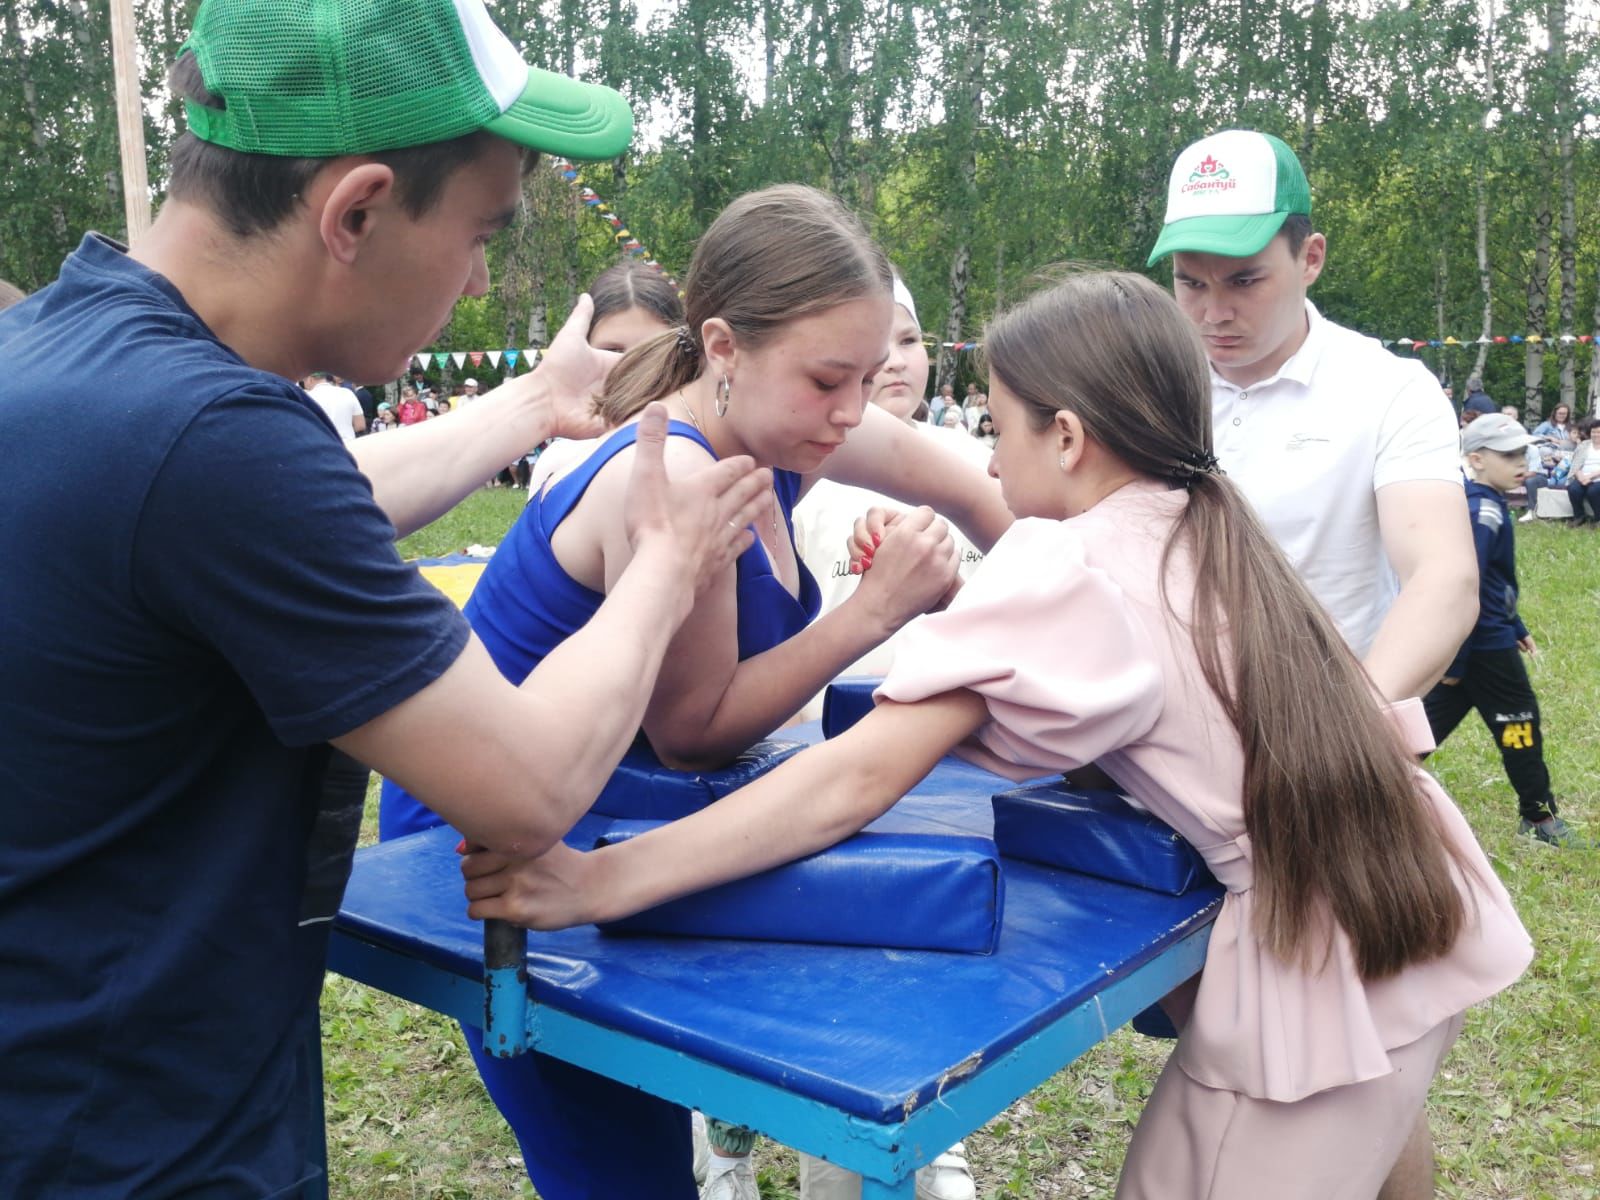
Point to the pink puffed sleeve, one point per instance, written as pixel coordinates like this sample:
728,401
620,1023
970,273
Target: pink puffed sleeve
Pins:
1049,642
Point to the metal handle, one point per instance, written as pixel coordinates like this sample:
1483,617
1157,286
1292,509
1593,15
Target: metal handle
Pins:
505,989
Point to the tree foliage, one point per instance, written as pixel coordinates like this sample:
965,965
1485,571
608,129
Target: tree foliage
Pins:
981,140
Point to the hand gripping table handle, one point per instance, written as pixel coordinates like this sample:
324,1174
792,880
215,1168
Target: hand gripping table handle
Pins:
505,989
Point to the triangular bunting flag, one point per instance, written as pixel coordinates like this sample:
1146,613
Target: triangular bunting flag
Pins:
460,357
494,358
440,358
511,360
476,356
531,354
421,360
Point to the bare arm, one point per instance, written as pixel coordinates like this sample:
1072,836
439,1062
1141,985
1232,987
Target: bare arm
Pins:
1428,538
810,802
888,456
419,472
515,767
709,707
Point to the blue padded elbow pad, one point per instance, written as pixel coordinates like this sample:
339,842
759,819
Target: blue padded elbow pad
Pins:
905,891
1095,833
642,789
846,701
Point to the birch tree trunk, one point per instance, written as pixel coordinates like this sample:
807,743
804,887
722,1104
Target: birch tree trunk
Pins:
1538,309
1485,277
965,123
1567,252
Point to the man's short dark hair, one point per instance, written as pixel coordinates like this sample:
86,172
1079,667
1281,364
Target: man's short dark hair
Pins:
254,193
1296,228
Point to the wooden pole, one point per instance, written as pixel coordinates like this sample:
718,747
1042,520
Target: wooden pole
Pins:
130,118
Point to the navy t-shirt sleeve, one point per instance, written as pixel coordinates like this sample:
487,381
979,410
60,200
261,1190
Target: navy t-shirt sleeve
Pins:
261,540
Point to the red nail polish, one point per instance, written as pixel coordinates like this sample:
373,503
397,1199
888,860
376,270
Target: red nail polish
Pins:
855,568
877,539
461,846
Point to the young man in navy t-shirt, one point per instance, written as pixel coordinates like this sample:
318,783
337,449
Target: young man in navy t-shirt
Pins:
187,629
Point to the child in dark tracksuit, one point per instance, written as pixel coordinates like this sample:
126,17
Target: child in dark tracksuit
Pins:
1488,673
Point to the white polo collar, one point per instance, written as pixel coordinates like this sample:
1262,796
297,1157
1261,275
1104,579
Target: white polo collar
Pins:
1301,365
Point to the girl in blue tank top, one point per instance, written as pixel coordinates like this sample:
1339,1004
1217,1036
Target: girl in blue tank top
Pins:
788,317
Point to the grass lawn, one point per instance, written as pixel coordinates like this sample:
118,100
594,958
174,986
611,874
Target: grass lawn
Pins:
1516,1112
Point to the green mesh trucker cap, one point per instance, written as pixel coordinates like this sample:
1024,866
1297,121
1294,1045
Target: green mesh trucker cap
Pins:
321,78
1229,194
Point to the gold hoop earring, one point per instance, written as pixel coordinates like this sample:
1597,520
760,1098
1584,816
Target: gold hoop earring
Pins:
724,394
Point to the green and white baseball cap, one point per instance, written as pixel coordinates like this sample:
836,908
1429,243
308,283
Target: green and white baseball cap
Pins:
322,78
1230,193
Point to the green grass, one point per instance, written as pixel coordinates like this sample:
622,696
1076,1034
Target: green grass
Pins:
1516,1111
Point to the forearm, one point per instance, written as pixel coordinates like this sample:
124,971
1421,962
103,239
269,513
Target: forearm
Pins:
766,690
591,691
419,472
816,799
1430,619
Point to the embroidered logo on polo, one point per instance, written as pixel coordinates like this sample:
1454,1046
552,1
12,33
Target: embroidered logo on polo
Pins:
1209,176
1301,440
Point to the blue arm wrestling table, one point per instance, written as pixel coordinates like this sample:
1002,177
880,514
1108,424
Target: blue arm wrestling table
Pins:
876,1060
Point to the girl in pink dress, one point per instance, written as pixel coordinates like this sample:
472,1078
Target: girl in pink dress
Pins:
1137,616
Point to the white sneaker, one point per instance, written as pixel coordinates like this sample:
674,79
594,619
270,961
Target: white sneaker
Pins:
947,1177
1526,517
702,1145
730,1179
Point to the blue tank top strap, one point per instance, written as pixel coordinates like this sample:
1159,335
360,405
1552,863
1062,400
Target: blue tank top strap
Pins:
562,496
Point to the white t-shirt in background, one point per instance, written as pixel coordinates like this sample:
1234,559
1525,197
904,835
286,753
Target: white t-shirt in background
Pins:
341,405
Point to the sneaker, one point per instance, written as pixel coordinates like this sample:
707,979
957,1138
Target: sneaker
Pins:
702,1145
947,1177
1526,517
1552,831
730,1179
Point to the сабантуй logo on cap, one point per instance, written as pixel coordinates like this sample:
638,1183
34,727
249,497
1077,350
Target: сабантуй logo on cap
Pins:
1209,175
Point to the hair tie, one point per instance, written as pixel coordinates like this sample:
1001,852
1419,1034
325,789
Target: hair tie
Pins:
1191,466
686,342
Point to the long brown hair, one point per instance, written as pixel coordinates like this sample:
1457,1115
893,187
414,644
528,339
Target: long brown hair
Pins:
1331,802
630,284
771,256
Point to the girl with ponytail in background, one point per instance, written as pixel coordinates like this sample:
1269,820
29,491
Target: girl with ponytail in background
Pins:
1137,615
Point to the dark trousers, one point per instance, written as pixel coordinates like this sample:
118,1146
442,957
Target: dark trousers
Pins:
1496,684
1578,493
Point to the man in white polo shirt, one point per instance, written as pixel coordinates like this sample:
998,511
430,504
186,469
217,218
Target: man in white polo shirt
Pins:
1349,454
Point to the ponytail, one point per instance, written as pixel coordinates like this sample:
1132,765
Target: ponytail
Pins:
651,370
1331,798
1331,801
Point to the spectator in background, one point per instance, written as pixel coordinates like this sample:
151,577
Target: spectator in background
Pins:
985,431
444,407
1477,401
469,391
1488,673
952,418
1558,428
339,402
1583,476
385,420
945,399
976,411
412,409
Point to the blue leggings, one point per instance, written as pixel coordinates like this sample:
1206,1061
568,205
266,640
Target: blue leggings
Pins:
586,1137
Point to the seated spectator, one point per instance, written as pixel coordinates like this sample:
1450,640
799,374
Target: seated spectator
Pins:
977,410
1558,428
1583,476
952,418
985,431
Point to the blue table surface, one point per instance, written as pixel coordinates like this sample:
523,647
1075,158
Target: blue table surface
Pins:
875,1033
